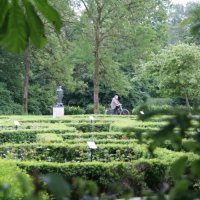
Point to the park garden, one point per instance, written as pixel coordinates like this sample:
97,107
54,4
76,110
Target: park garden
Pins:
74,56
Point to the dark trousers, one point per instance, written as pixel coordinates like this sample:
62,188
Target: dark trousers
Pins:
115,110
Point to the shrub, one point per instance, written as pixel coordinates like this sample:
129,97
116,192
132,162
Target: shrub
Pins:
20,136
99,135
90,109
9,180
48,137
79,152
92,127
7,104
135,175
72,110
170,110
73,152
158,101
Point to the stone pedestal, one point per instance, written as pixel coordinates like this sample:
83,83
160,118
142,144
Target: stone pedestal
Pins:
58,111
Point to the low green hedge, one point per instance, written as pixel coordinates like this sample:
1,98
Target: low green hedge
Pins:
73,152
91,127
168,109
101,141
99,135
9,180
80,153
132,128
29,135
137,175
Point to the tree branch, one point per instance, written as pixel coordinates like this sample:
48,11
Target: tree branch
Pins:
88,11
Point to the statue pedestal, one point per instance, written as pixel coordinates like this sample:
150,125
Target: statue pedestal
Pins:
58,111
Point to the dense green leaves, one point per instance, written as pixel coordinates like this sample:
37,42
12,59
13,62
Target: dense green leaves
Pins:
3,11
17,24
37,32
15,36
176,71
49,13
178,167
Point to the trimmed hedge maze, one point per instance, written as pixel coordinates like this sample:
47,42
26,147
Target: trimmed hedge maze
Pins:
59,145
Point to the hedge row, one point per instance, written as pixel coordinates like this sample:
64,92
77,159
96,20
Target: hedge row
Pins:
137,175
29,135
80,152
99,135
91,127
73,152
9,180
130,128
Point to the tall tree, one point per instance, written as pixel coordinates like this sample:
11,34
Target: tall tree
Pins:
27,60
107,19
181,20
176,71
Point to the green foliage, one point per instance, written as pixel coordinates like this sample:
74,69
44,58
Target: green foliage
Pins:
48,137
90,109
176,70
168,109
106,175
186,174
124,164
20,136
92,127
20,22
7,104
73,152
193,20
10,186
73,110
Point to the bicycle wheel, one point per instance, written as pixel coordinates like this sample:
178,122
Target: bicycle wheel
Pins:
124,112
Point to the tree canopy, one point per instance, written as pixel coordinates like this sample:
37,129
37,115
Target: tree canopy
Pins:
176,71
94,49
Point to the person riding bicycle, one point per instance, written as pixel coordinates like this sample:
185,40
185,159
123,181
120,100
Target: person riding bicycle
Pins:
115,104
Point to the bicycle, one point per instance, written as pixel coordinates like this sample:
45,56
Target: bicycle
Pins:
120,111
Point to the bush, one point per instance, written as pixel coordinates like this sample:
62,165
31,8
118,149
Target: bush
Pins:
100,135
64,152
9,180
7,104
73,152
49,137
72,110
41,99
20,136
170,110
106,175
92,127
90,109
158,101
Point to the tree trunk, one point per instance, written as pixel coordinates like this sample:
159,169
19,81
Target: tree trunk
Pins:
96,76
26,80
188,104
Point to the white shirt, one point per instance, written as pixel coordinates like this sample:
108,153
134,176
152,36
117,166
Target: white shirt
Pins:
114,103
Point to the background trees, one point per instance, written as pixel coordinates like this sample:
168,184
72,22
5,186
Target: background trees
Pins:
177,72
114,37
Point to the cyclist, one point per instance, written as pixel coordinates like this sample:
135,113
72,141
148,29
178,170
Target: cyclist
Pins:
115,104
